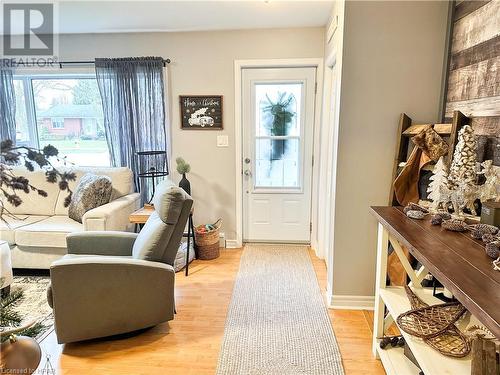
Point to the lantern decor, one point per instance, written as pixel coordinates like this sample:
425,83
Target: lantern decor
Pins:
152,165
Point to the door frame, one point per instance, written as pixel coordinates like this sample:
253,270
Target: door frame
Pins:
239,65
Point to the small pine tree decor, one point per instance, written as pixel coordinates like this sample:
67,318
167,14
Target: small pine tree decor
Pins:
182,166
438,189
182,169
10,318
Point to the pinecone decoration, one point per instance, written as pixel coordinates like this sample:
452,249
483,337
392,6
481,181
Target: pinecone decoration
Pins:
438,218
488,237
414,207
493,249
463,166
477,234
454,225
415,214
485,228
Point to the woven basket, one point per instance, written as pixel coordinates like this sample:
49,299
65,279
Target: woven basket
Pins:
207,243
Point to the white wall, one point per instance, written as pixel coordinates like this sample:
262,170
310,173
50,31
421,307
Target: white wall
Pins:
327,158
202,63
392,60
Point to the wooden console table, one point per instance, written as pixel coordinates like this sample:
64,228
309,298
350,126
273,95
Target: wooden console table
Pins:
455,259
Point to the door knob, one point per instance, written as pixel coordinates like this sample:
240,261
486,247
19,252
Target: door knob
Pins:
247,173
247,160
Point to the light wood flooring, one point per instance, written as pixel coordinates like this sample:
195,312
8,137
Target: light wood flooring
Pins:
189,345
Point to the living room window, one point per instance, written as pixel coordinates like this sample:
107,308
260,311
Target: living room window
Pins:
64,111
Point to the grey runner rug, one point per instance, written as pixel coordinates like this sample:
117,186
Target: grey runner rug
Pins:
277,322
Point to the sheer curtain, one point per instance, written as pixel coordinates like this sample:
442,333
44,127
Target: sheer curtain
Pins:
133,99
7,105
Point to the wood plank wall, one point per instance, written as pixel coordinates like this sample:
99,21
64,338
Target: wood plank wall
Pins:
474,69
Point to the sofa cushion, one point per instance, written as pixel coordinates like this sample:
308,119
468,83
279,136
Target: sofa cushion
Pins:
8,227
34,204
50,232
92,191
152,240
122,180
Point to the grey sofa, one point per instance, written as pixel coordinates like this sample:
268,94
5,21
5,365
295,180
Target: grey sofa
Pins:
118,282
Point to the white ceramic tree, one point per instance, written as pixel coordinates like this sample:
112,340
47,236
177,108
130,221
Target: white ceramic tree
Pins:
489,190
463,166
438,189
462,176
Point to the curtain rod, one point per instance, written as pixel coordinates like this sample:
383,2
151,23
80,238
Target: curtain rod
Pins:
61,63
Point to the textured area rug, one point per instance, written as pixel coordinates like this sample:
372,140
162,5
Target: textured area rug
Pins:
277,322
33,305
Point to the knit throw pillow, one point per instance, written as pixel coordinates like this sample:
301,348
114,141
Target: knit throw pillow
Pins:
92,191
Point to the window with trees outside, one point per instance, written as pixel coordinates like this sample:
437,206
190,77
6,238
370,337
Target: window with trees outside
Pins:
64,111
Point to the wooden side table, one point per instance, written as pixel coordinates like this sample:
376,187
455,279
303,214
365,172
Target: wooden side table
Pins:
142,215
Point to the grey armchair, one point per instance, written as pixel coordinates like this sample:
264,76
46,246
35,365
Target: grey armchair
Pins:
118,282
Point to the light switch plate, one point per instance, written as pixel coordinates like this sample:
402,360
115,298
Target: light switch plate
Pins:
222,141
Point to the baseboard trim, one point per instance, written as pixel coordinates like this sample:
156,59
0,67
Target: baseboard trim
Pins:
351,302
232,244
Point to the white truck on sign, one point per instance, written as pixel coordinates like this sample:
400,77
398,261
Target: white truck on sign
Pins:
198,118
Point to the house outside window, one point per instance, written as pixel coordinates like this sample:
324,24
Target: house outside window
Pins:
57,123
64,111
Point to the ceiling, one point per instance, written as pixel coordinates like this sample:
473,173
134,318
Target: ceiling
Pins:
170,16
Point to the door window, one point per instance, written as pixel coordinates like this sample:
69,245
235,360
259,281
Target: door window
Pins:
278,135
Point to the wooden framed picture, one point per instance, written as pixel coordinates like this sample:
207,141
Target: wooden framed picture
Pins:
201,112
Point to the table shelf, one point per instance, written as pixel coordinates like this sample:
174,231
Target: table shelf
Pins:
396,363
456,260
430,360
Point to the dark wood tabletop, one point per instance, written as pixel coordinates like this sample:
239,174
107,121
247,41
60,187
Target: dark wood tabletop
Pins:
457,260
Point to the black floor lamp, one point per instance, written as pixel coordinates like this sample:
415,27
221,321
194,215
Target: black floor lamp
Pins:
152,165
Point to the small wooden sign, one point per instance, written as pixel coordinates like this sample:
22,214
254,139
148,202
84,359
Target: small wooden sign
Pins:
201,112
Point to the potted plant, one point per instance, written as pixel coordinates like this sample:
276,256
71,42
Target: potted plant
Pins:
281,113
183,168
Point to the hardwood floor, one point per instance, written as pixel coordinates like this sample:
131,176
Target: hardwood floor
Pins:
189,345
353,330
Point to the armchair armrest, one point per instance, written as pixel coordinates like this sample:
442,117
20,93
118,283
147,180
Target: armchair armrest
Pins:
102,296
113,215
101,243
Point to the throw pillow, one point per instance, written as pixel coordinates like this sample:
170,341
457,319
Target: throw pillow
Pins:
92,191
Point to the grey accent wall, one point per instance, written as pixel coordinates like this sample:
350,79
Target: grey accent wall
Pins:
202,63
393,55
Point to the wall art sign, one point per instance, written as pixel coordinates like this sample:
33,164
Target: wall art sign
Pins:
201,112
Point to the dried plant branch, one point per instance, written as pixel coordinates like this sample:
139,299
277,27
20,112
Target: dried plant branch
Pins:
31,158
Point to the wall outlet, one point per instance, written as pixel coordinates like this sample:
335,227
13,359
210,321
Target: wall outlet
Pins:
222,141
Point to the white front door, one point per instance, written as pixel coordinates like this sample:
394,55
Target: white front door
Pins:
278,127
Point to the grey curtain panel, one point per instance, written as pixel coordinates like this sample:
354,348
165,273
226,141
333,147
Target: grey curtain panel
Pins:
7,105
133,99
